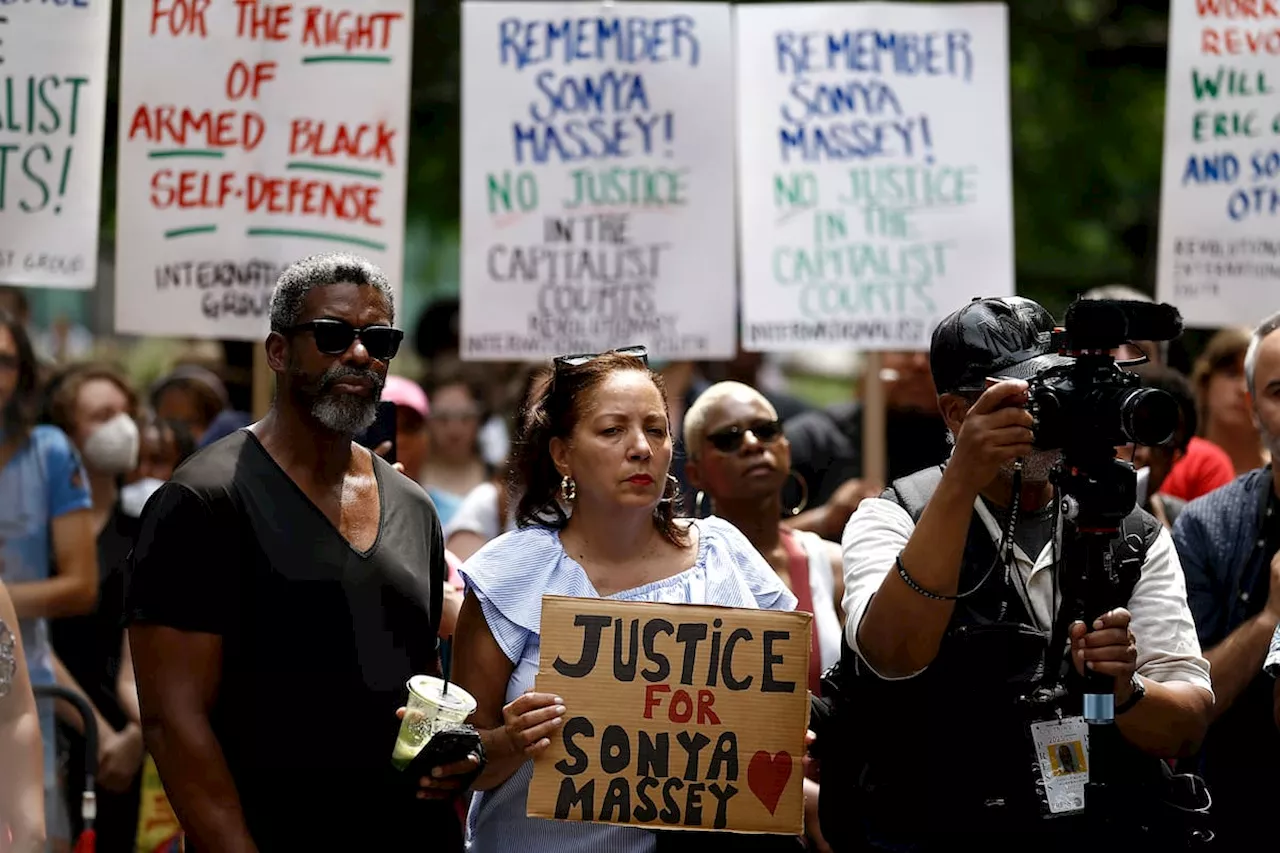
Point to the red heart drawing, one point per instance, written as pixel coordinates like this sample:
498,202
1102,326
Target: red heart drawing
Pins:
767,777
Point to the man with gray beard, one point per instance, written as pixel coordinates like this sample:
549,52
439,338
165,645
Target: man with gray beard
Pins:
285,585
956,637
1229,542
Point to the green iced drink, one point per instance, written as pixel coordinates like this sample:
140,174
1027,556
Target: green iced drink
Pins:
429,709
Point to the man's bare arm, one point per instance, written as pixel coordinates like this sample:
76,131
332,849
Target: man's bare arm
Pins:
178,674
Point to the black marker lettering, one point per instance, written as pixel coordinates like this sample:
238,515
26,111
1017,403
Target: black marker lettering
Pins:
572,728
726,665
661,666
767,683
653,754
615,750
594,625
690,633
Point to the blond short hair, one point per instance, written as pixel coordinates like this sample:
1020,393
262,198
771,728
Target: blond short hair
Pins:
695,419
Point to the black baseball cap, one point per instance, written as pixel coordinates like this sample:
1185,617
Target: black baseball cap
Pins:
1005,337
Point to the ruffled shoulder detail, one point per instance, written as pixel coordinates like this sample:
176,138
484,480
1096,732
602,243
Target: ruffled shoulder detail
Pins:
509,576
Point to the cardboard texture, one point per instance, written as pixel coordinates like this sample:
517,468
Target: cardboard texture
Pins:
678,716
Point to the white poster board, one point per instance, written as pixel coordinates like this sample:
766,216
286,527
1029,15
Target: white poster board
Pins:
253,135
874,170
597,169
53,102
1219,256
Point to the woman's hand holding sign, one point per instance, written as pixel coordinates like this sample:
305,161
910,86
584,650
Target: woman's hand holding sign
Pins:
530,721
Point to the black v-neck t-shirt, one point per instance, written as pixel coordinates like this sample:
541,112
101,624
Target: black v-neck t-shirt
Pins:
319,641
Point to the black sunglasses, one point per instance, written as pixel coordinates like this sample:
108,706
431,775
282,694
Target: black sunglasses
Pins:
333,337
583,357
730,440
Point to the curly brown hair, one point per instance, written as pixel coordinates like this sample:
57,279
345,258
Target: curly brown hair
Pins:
552,411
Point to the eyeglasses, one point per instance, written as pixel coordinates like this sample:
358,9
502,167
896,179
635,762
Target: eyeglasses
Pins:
333,337
730,440
639,352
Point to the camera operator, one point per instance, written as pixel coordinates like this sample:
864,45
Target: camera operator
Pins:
952,627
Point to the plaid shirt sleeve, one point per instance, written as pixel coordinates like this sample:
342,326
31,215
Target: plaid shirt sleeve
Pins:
1272,664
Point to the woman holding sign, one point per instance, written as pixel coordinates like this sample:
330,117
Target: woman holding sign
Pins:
597,520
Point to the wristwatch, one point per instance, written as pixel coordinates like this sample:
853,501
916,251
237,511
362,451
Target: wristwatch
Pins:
1139,690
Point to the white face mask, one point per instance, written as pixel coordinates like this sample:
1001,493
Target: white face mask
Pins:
134,496
113,447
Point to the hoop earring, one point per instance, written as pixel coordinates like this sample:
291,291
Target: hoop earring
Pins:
568,489
804,495
673,486
697,505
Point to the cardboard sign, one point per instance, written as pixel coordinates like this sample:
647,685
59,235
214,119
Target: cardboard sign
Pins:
597,179
253,134
1219,259
678,716
875,173
53,104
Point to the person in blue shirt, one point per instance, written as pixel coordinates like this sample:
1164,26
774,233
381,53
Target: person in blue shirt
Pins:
47,553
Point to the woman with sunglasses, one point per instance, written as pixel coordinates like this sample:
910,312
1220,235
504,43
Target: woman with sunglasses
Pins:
596,517
739,459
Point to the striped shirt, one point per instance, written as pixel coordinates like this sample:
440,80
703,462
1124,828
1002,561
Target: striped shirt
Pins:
509,576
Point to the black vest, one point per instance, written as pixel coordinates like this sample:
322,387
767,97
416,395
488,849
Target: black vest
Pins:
949,750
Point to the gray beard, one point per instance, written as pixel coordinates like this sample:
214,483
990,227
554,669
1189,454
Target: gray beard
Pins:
345,414
1272,443
1035,468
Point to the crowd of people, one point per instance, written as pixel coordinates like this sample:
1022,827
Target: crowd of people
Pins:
244,602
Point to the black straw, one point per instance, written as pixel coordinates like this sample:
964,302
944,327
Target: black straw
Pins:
446,663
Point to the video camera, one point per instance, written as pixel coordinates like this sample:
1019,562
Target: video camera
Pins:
1089,398
1086,404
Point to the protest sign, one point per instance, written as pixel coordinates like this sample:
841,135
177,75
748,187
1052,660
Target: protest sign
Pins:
53,65
1219,258
874,170
597,194
251,135
678,716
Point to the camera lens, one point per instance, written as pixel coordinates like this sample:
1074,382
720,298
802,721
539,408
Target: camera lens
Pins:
1149,416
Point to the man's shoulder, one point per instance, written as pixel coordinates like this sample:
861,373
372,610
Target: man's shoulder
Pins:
401,490
211,472
1223,507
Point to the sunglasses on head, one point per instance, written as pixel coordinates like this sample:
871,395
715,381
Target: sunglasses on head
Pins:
730,440
333,337
639,352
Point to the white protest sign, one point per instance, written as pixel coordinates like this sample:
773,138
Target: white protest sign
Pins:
597,164
1219,256
53,90
874,170
252,135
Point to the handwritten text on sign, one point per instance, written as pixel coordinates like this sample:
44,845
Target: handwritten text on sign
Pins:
597,179
284,135
874,170
679,716
1220,204
53,73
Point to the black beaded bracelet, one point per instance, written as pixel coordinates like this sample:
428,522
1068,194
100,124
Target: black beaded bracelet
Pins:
909,581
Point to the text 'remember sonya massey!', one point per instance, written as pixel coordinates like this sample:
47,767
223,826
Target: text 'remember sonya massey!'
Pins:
595,283
844,106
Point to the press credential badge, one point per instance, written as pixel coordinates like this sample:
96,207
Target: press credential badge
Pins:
1062,747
